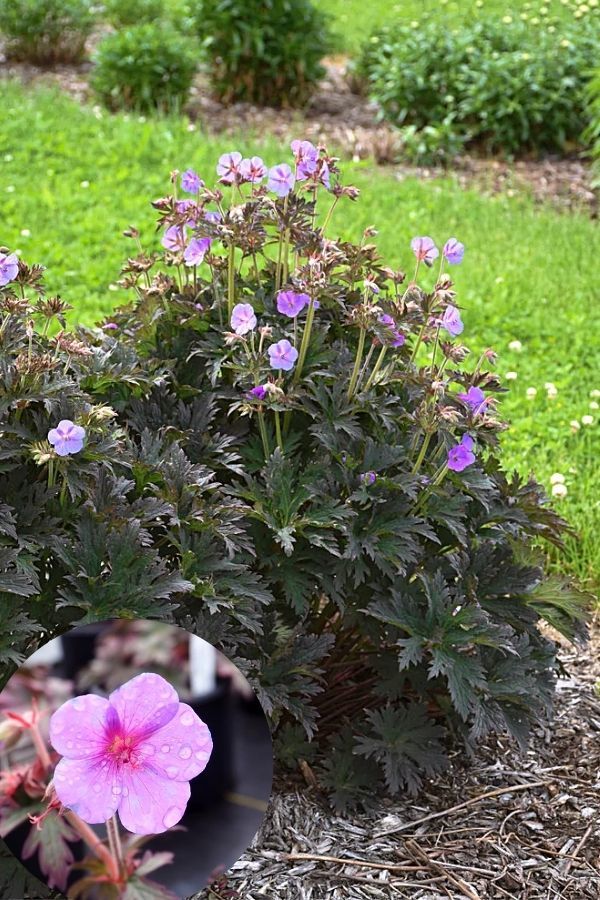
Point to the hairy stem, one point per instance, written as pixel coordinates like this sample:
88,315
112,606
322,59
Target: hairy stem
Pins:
114,842
422,453
376,367
231,280
357,363
263,434
97,846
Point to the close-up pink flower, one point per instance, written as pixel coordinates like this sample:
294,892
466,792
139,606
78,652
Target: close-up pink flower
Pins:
133,753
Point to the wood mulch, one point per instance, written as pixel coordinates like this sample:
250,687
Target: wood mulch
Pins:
350,125
509,824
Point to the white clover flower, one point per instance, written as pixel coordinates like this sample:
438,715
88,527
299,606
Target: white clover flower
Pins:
595,394
552,393
113,287
531,393
25,232
10,189
557,478
587,420
559,490
575,425
517,346
549,386
594,404
84,184
511,376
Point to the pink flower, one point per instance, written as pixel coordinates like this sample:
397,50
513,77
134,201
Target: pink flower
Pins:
196,251
424,249
134,753
307,158
228,167
452,321
191,182
67,438
243,318
174,238
289,303
281,180
282,355
253,169
9,268
454,251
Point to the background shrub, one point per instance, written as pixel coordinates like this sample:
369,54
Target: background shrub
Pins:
125,13
45,32
593,130
266,52
145,67
508,86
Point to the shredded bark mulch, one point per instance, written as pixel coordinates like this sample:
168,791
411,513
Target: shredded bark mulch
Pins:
350,125
510,824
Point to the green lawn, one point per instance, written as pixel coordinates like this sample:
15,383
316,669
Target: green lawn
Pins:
72,181
352,21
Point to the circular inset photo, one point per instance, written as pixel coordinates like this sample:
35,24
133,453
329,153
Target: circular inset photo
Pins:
136,762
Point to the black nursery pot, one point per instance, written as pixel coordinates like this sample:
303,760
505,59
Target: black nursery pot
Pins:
217,711
79,647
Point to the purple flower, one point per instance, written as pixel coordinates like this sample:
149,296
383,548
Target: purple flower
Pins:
259,392
424,249
324,175
67,438
174,238
9,268
398,339
454,251
196,251
461,455
386,319
189,208
212,216
307,158
368,478
290,304
134,753
243,318
228,167
475,399
452,321
253,169
281,180
282,355
191,182
111,326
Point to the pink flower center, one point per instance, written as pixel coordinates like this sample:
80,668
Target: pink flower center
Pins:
123,750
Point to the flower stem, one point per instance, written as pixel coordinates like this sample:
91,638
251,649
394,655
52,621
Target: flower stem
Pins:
114,842
40,747
280,248
278,430
418,342
357,362
305,340
94,843
263,434
231,280
376,367
422,453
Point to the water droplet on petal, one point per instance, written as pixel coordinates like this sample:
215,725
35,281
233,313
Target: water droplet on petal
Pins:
172,816
116,789
126,792
187,718
70,745
201,755
97,788
57,726
165,748
172,771
79,704
185,752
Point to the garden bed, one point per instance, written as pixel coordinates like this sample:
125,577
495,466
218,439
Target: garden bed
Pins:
510,825
349,124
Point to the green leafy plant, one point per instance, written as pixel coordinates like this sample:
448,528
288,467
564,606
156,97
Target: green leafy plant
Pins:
268,53
106,528
145,69
404,565
507,86
46,32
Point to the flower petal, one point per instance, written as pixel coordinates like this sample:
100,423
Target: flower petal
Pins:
77,729
144,704
150,803
181,749
90,787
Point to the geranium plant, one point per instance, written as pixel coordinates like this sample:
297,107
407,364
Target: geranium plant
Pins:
333,397
133,752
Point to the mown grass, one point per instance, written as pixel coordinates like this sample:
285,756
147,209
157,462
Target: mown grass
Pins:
74,179
352,22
